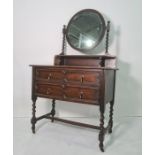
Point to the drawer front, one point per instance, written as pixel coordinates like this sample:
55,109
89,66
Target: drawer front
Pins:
49,74
81,93
67,93
49,90
67,84
82,77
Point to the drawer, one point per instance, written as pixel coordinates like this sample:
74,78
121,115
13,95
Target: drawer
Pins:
82,77
49,74
49,90
81,93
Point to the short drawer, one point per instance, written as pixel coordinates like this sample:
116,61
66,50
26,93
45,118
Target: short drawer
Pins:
81,93
82,77
49,90
49,74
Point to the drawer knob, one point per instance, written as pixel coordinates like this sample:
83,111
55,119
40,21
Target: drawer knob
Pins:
48,91
49,76
64,71
82,78
65,80
65,96
37,73
81,95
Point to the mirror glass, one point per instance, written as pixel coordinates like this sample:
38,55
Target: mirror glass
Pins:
85,30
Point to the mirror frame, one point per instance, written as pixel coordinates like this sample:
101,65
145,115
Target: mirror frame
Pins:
98,40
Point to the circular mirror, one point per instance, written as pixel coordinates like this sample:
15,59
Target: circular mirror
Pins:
85,30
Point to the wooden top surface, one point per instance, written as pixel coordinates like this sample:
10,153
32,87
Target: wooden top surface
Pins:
74,67
88,56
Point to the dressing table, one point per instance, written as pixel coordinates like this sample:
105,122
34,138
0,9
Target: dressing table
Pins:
84,79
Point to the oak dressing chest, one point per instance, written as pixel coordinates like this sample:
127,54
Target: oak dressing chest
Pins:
84,79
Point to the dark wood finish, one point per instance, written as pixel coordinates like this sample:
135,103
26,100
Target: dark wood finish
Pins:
33,119
49,90
47,116
102,132
111,116
107,36
49,74
77,79
53,110
76,123
63,41
112,105
34,98
86,60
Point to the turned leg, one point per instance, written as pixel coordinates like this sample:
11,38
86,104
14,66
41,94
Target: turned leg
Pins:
53,110
33,119
112,105
111,116
101,133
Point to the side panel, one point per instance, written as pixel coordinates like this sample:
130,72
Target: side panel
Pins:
109,84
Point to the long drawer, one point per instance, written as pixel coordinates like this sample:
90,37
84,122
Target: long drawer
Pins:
83,77
67,92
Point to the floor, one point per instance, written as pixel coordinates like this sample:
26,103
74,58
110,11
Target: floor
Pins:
63,139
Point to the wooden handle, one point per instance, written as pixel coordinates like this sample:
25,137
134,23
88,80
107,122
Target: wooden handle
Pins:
82,77
65,96
81,95
63,86
48,91
64,71
49,76
65,80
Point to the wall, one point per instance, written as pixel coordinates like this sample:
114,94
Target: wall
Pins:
38,37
